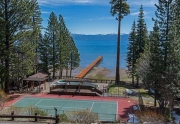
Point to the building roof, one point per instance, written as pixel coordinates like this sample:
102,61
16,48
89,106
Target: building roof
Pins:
37,77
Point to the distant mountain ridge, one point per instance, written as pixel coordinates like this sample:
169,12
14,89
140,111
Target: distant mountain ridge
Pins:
86,37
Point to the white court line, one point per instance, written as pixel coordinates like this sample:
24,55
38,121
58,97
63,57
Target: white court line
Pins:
117,111
37,103
92,106
16,101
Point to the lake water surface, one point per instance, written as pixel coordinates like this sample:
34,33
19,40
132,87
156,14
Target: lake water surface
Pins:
90,50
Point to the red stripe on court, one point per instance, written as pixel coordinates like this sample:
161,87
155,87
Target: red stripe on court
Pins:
124,104
12,99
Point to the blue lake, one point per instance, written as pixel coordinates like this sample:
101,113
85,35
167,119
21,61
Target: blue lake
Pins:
90,50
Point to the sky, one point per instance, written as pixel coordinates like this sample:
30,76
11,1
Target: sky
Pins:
94,17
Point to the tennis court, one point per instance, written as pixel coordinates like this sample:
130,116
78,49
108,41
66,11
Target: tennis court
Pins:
106,110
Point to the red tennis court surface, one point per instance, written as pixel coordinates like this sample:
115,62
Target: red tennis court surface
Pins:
124,104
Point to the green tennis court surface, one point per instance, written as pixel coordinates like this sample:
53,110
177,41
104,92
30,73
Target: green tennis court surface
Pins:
106,111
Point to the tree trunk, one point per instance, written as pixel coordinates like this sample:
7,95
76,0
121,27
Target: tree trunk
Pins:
161,106
133,80
137,81
118,53
53,56
60,73
7,49
66,72
70,73
70,66
155,94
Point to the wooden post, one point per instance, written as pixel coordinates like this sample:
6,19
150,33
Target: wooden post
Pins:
12,115
27,86
79,87
35,117
33,84
57,119
45,85
55,111
39,87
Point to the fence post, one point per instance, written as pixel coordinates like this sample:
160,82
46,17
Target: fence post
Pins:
35,117
55,111
57,119
12,115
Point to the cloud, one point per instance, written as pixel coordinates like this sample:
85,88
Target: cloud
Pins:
137,13
63,2
45,12
149,3
94,2
72,2
102,18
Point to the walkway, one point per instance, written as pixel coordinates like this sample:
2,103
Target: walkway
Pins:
86,70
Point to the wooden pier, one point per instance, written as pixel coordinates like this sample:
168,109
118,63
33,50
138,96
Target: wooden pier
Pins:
86,70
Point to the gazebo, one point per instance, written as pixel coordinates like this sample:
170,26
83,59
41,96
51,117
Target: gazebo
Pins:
33,83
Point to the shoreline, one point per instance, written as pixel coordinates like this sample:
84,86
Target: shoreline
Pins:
101,72
98,72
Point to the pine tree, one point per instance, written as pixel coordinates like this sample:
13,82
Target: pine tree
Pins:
52,32
74,56
68,53
36,26
131,58
121,9
43,50
164,19
17,22
156,61
63,45
142,36
176,45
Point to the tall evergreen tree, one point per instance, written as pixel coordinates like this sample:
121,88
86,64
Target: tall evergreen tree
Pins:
17,19
52,32
43,50
164,19
36,26
68,53
121,9
63,45
131,58
142,36
74,56
156,60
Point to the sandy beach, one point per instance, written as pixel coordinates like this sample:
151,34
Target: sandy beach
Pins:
98,72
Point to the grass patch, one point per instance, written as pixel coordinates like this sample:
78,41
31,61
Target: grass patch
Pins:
126,79
99,77
115,89
145,93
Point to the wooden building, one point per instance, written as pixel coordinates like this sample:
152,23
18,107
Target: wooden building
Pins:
35,83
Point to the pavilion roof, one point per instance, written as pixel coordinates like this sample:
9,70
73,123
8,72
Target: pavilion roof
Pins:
37,77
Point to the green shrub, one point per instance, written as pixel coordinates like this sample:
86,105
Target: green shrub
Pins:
83,116
63,118
39,112
152,116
